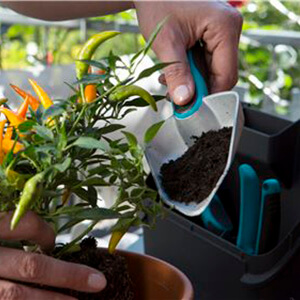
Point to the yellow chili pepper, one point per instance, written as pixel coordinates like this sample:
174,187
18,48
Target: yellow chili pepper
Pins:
44,98
14,119
90,93
33,102
115,239
117,234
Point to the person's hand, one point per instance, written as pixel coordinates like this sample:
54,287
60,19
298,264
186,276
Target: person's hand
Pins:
216,23
19,266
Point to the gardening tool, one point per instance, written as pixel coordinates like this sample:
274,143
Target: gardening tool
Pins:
215,218
203,114
269,219
249,209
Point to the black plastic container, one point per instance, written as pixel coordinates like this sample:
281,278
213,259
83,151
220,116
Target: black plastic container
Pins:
217,268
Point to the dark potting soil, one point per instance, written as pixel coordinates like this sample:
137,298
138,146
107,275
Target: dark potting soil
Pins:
192,177
113,266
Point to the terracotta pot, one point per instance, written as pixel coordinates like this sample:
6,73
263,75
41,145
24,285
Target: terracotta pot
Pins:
155,279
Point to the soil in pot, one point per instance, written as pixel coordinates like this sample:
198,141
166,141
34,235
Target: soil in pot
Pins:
192,177
113,266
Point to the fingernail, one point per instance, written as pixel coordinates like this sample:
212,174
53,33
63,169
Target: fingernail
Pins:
97,281
181,94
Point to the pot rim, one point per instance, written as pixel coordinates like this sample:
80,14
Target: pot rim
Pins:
188,291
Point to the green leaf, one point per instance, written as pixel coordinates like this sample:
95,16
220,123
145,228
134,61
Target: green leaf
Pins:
81,193
102,171
44,132
128,111
113,179
112,59
132,141
148,72
152,131
90,78
90,143
63,166
94,181
97,213
125,223
71,87
45,148
136,55
63,139
154,35
94,63
93,196
53,111
110,128
140,102
69,224
26,126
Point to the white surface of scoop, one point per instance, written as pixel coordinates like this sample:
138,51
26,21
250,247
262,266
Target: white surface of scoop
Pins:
172,141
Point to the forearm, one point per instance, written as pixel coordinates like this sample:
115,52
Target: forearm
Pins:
66,10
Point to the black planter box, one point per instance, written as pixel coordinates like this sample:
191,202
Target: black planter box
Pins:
217,268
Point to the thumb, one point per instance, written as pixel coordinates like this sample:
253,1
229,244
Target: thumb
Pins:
178,76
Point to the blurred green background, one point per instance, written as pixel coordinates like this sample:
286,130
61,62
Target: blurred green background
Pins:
269,66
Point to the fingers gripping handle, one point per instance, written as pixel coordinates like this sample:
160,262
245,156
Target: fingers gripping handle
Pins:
183,112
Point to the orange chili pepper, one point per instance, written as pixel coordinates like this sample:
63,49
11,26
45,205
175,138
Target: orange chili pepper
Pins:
14,119
2,124
90,93
33,102
8,133
7,145
100,72
23,108
21,113
44,98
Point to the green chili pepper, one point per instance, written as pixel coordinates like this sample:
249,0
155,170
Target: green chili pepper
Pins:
89,49
31,193
123,92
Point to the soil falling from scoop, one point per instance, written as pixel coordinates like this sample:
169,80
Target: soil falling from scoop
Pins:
192,177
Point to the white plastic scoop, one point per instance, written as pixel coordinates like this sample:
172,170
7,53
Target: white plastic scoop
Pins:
205,113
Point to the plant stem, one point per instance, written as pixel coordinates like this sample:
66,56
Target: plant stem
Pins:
77,239
78,119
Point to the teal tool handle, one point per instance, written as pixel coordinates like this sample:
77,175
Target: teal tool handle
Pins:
215,218
183,112
249,209
269,219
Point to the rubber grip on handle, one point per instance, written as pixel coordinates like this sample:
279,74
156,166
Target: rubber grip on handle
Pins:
183,112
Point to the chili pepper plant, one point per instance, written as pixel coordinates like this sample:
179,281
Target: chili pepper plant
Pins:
53,149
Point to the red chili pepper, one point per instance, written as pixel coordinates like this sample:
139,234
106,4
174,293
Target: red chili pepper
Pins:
237,3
